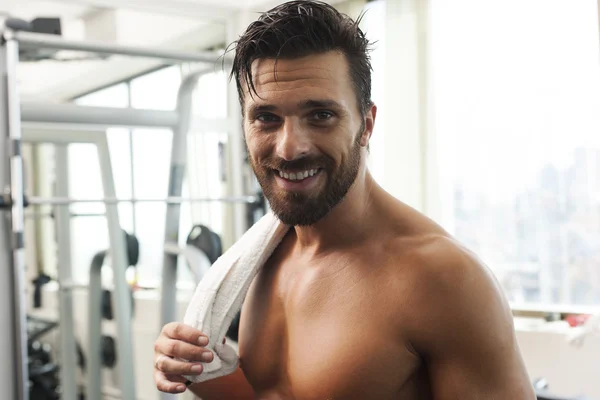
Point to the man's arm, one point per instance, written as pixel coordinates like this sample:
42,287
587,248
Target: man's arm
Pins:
465,334
231,387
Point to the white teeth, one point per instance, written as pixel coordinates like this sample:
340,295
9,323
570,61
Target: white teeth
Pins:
297,176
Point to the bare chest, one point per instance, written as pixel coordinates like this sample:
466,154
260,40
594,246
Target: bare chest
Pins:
318,334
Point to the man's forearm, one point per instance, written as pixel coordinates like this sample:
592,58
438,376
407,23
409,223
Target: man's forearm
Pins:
234,387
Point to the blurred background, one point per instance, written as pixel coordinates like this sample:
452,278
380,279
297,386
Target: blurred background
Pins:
488,122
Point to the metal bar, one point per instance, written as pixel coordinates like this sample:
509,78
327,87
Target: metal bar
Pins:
29,40
68,354
40,215
17,219
113,200
104,116
11,387
94,363
172,219
118,256
236,150
61,133
109,117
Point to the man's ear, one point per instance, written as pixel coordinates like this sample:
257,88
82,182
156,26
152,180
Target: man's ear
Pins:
370,116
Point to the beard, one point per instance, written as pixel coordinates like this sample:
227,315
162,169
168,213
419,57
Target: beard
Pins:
303,209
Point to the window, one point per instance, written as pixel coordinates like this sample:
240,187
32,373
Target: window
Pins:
141,163
373,24
88,230
517,94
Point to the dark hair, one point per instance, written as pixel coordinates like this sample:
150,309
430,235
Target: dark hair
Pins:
300,28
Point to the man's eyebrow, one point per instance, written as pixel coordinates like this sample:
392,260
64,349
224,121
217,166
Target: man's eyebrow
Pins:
308,104
320,104
257,108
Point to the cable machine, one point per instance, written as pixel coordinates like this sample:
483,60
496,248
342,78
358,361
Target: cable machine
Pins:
13,113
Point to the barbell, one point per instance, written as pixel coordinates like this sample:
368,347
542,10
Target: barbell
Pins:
6,200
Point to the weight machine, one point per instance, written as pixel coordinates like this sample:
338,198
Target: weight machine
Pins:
15,116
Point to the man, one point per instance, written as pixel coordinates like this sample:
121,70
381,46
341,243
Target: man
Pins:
365,298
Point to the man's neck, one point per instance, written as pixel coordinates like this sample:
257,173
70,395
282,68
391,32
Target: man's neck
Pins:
346,224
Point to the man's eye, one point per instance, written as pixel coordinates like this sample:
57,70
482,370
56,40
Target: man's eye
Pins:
267,118
323,115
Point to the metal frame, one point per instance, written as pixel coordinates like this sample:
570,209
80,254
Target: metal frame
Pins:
29,40
11,179
173,212
68,353
119,263
15,377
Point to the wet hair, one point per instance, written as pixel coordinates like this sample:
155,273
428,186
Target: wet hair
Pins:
301,28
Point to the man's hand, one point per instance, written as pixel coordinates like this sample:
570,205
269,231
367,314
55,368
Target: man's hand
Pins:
179,341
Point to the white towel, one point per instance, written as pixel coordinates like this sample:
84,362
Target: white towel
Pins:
221,292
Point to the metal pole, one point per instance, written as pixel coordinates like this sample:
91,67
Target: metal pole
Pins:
172,221
68,354
20,366
118,257
106,116
11,388
94,363
237,150
113,200
29,40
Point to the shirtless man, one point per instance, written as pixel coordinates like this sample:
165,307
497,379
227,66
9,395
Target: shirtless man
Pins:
365,298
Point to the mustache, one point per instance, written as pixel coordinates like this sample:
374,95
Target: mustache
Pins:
298,164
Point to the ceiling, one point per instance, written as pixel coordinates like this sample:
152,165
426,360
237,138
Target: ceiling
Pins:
175,24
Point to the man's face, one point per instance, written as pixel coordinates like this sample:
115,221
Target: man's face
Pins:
304,134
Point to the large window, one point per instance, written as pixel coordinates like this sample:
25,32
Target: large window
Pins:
141,163
517,100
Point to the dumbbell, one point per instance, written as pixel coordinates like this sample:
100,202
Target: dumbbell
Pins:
133,256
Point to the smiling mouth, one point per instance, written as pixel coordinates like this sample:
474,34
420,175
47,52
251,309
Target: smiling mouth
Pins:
297,175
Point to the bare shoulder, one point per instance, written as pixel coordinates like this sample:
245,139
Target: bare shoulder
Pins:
460,324
454,289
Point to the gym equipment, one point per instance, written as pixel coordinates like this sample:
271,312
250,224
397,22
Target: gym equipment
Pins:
44,382
108,349
12,112
43,372
203,248
5,201
206,240
106,301
209,243
102,349
541,387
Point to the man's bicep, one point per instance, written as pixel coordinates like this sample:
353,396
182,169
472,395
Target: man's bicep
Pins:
474,375
231,387
470,346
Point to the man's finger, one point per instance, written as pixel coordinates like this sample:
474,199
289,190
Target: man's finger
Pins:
180,349
177,378
186,333
165,385
175,367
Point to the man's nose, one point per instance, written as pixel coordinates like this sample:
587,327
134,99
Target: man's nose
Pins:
293,141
